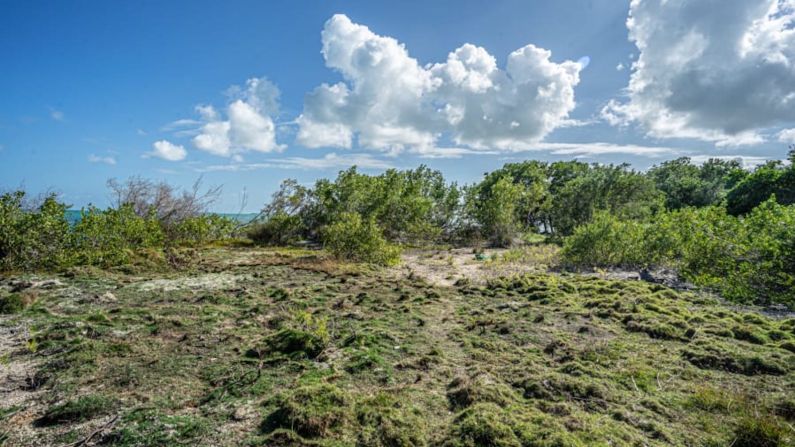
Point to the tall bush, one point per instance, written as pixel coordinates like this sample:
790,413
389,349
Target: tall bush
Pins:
356,239
32,237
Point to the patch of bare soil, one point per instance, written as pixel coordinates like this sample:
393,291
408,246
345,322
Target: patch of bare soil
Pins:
446,267
18,388
207,281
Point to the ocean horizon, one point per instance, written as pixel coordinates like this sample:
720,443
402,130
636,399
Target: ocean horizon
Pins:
73,216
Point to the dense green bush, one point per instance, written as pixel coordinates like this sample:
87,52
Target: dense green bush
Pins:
199,230
279,229
109,237
40,237
32,237
353,238
747,259
686,184
608,241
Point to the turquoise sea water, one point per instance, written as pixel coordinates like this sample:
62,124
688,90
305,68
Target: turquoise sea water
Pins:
73,216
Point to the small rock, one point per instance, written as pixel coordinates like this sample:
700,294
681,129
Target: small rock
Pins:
107,297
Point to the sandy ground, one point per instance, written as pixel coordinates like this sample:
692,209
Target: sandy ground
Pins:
446,267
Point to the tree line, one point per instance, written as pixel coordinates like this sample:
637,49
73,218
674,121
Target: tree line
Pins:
720,225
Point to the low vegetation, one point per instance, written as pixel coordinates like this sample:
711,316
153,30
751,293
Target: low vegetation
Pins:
149,221
251,346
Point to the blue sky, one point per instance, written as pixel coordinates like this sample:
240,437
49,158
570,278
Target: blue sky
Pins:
88,88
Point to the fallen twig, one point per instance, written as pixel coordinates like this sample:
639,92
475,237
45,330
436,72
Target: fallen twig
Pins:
91,435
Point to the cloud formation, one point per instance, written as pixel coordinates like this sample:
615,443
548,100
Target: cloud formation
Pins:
389,102
108,160
787,136
714,70
248,125
329,161
168,151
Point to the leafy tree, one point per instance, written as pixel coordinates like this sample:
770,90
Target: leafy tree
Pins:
496,208
611,188
766,180
685,184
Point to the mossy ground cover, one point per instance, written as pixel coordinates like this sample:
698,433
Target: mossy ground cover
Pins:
272,347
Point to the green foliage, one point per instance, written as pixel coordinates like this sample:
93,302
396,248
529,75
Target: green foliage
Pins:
279,229
625,193
747,259
408,206
496,209
109,237
772,178
32,238
353,238
40,237
199,230
685,184
557,197
607,241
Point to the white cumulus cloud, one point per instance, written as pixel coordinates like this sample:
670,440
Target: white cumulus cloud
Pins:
787,136
168,151
389,102
248,125
714,70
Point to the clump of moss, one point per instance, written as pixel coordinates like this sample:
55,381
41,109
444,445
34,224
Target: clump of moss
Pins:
785,408
311,411
661,331
746,333
13,303
707,398
483,424
760,432
365,360
565,388
465,391
386,421
297,342
720,359
78,410
789,346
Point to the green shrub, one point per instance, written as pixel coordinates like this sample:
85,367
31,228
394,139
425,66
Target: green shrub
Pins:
607,241
355,239
109,237
747,259
200,230
32,238
280,229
